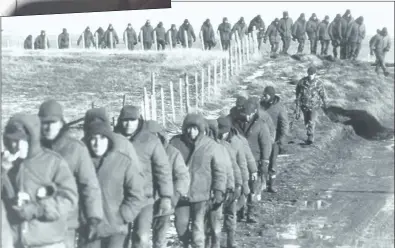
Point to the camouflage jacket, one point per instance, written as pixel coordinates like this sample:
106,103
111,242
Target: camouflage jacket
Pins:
310,94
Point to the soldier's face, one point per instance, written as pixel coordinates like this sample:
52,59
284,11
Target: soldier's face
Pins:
130,126
249,117
266,98
193,132
51,129
18,147
224,135
99,144
311,76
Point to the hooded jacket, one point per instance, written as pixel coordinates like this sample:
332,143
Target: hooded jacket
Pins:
312,27
264,117
148,33
381,44
259,25
41,41
180,173
122,188
299,29
279,117
285,27
208,32
107,37
131,35
335,29
100,36
240,29
41,168
28,43
88,38
154,161
356,31
344,25
190,33
160,32
272,33
323,31
250,159
63,40
203,159
173,34
258,135
225,31
77,156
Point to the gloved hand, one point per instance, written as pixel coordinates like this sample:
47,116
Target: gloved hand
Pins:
165,206
218,198
229,196
293,38
264,41
246,189
237,192
29,211
254,176
93,224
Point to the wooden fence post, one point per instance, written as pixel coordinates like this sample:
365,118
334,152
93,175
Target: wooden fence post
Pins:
215,78
220,41
221,71
153,108
181,97
240,56
186,39
97,40
147,105
162,98
187,103
196,91
155,41
208,81
227,68
125,35
201,40
173,110
93,104
142,109
124,100
230,57
170,40
111,41
141,40
202,88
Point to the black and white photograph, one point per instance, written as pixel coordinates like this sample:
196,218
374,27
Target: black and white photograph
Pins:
203,125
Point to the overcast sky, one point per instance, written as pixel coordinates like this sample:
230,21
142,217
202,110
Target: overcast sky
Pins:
376,15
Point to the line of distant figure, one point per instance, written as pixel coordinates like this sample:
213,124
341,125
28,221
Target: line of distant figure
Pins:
345,33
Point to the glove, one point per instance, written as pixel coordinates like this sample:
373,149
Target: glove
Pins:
246,189
218,198
254,176
93,224
229,196
237,192
29,211
264,41
165,206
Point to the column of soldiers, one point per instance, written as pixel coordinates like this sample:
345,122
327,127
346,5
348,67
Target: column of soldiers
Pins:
118,186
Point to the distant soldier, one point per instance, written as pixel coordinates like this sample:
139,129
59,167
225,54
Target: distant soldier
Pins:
285,29
323,35
187,28
373,39
259,25
225,32
273,35
299,32
208,35
131,37
311,29
64,40
172,33
344,25
310,96
88,38
110,32
100,37
160,32
355,34
28,43
335,34
147,33
240,30
41,41
380,46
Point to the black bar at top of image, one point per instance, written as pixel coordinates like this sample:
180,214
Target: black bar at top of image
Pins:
47,7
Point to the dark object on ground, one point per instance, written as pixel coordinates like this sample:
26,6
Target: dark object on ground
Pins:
274,56
45,7
363,123
330,58
386,64
297,57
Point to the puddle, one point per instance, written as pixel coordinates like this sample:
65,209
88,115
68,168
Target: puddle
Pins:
315,205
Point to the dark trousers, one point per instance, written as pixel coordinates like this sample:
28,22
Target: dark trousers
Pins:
343,49
225,44
212,226
142,227
335,45
301,45
193,212
324,47
313,45
310,119
274,47
160,227
147,45
230,222
130,46
184,45
286,44
208,45
161,44
380,61
354,49
113,241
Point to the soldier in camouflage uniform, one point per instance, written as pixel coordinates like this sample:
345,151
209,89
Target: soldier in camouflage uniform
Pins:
310,96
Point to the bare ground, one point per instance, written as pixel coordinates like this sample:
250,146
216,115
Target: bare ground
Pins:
336,193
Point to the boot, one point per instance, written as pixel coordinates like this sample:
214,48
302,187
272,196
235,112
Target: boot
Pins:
240,215
251,220
230,241
386,73
270,185
215,242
